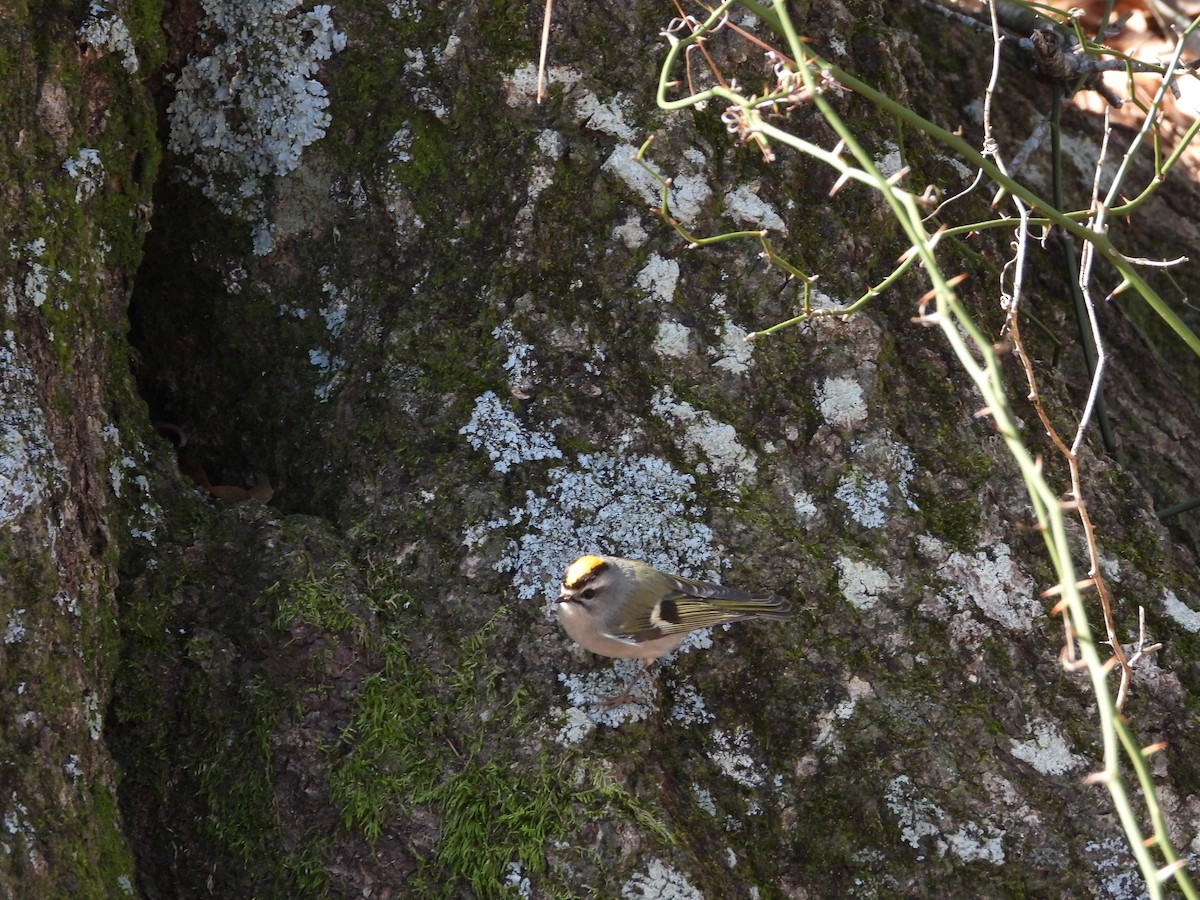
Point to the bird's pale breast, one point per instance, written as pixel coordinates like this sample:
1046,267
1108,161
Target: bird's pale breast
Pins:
582,629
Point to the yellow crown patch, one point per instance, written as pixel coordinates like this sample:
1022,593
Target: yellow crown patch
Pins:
581,569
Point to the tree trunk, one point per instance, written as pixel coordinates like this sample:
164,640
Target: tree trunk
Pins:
339,260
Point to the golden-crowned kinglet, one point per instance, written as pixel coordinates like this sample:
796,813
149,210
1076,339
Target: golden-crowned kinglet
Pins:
626,609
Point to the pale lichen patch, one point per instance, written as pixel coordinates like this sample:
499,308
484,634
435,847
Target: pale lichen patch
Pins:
28,465
575,728
704,800
1046,750
989,581
252,105
406,223
495,429
521,364
688,196
889,162
550,149
829,723
734,755
520,85
746,207
630,232
87,170
15,631
861,583
607,117
735,354
1184,615
841,402
588,692
108,33
658,278
689,707
716,443
920,819
866,498
659,882
516,880
673,340
804,506
37,279
633,506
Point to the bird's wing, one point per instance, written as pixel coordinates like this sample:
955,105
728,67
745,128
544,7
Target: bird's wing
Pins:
697,604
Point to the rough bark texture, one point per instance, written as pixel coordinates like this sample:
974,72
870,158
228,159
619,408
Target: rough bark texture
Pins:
71,431
441,320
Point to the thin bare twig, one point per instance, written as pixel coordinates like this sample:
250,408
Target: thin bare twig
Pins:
541,79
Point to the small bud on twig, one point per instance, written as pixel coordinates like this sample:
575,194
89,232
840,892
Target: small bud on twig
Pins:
1167,871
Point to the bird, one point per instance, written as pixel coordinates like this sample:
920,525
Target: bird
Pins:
626,609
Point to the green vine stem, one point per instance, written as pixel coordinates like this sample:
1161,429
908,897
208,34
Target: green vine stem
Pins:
755,127
803,78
